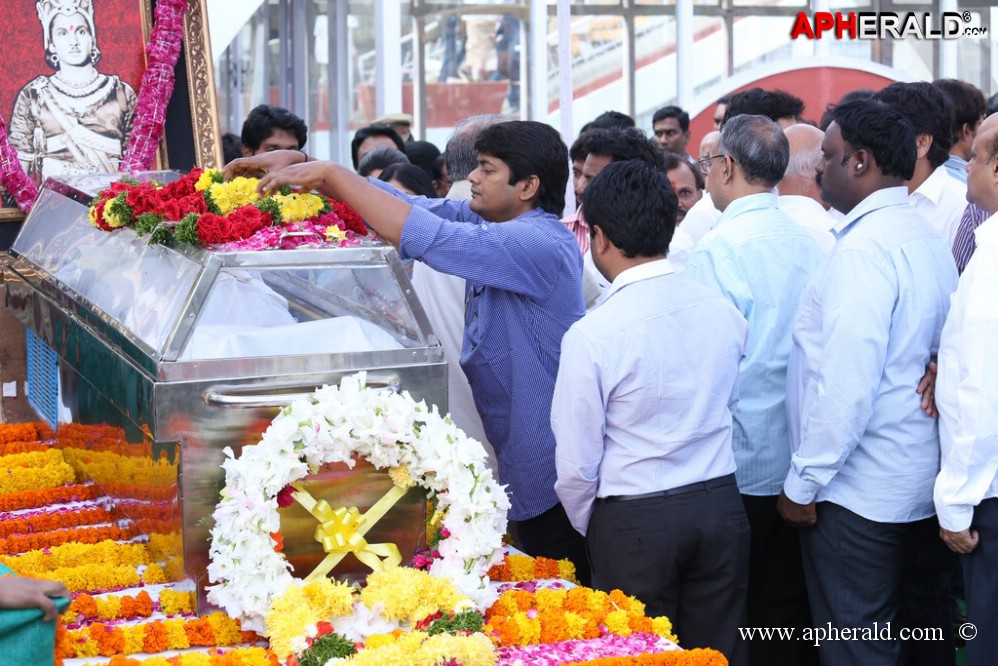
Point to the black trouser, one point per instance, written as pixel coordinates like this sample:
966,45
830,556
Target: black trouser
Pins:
684,556
551,535
864,575
980,581
777,595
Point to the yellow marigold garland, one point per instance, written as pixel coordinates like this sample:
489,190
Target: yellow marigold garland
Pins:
549,615
419,649
34,470
172,602
233,194
303,605
105,466
298,206
516,567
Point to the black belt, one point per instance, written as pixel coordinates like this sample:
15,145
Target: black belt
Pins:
719,482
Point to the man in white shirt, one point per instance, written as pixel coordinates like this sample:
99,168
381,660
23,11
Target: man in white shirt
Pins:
940,198
642,416
969,108
800,197
966,490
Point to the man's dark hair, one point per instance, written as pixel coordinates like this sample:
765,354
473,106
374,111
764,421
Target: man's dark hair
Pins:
774,104
881,129
232,146
380,158
724,99
620,144
410,175
530,148
460,152
758,146
676,160
264,119
373,130
672,112
580,147
635,206
928,110
968,103
438,167
826,117
992,104
607,120
422,154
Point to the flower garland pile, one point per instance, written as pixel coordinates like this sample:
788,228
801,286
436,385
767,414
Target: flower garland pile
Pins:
315,621
202,209
335,425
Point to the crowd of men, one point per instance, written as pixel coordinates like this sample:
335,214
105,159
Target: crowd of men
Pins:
714,385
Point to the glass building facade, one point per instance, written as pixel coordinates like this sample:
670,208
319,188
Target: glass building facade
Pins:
339,64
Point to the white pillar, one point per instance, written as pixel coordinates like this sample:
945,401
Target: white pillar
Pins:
566,93
537,60
684,53
388,56
947,47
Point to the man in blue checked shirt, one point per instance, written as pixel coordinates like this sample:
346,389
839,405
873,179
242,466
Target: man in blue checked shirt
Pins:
524,291
865,454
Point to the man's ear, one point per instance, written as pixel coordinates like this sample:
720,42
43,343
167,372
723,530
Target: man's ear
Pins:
864,161
598,241
967,133
529,188
922,144
727,167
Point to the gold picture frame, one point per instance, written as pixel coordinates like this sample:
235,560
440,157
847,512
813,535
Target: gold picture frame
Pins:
122,29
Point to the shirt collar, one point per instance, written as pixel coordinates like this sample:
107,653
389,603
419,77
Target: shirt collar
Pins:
745,204
882,198
640,272
576,219
933,187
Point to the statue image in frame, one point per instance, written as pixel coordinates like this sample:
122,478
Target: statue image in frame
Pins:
72,74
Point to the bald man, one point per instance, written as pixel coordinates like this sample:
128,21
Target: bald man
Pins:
800,197
966,489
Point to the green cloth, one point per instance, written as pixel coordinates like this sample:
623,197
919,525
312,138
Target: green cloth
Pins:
24,637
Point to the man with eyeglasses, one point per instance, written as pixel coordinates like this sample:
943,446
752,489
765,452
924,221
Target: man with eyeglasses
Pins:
760,260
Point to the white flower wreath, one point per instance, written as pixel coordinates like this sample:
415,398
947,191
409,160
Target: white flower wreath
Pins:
337,424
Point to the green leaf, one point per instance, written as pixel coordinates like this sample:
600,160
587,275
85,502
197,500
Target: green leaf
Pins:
186,230
147,222
330,646
469,621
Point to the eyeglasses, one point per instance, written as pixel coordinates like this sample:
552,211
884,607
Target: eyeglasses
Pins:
705,162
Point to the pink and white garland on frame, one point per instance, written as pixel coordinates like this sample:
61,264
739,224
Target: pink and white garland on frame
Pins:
155,91
12,175
157,85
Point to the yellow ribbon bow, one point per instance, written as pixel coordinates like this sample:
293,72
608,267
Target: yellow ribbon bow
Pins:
341,531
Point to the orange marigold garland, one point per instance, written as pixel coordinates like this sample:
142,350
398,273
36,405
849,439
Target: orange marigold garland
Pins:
39,497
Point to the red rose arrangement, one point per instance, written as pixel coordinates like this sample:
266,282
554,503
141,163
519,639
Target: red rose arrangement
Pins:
200,208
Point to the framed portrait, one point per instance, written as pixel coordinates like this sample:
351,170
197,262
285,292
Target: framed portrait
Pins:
73,69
